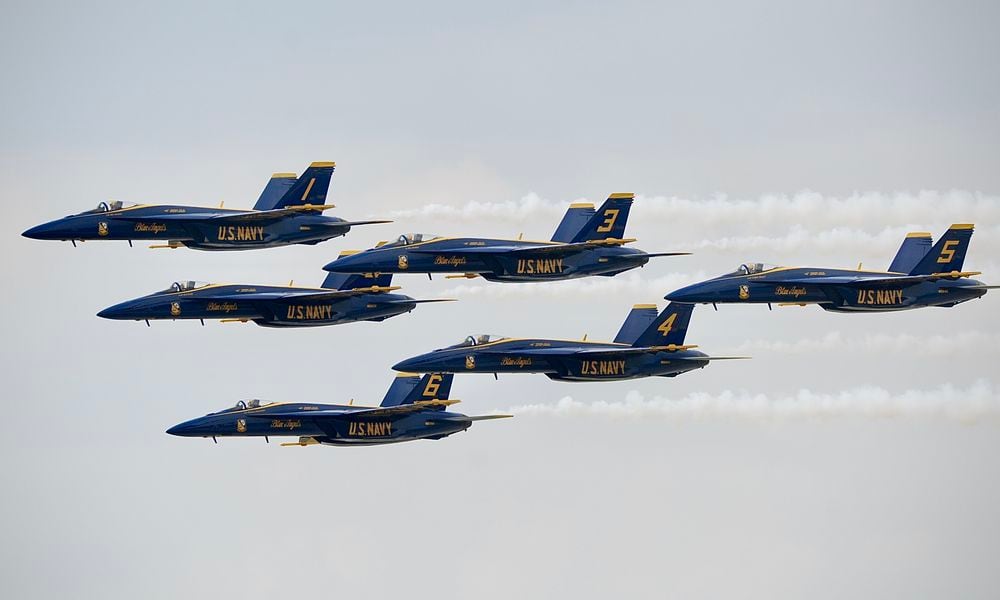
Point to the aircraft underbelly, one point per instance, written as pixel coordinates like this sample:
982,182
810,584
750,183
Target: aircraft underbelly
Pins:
237,235
871,299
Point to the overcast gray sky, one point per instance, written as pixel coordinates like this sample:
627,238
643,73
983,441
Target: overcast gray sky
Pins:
854,456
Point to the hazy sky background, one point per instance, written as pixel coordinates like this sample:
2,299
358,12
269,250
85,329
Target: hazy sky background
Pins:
854,456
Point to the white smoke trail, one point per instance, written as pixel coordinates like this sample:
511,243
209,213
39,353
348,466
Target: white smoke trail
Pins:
863,210
778,223
977,402
880,344
627,285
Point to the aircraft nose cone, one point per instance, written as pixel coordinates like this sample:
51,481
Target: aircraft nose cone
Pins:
685,294
41,232
414,364
185,429
353,263
118,311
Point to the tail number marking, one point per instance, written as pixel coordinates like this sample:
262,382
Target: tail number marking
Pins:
433,385
667,325
947,252
610,216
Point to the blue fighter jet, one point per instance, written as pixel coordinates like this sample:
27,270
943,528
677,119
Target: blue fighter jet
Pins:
648,345
414,408
587,242
919,276
289,211
341,299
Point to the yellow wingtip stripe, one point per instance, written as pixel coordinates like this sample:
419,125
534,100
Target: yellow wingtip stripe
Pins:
622,195
962,226
581,205
653,306
919,234
284,176
323,164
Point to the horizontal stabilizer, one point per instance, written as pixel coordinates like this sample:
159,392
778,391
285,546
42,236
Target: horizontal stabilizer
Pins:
658,254
451,418
418,301
712,358
353,223
488,417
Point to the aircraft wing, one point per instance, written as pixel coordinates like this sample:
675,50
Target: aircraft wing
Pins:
304,414
312,295
445,417
712,358
864,280
277,213
513,248
350,412
543,352
186,216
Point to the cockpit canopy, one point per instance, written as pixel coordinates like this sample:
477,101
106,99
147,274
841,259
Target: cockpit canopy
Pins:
104,207
753,268
243,405
185,286
479,340
412,238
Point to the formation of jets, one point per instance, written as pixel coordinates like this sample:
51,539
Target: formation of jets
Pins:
288,211
587,242
358,287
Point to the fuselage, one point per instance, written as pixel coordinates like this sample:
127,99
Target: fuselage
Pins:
769,287
565,360
474,256
348,428
191,226
268,306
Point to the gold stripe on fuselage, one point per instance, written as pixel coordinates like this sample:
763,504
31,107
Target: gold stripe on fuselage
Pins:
779,269
510,340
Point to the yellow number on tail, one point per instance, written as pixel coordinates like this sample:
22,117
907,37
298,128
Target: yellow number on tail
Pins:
667,325
433,384
948,252
610,216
